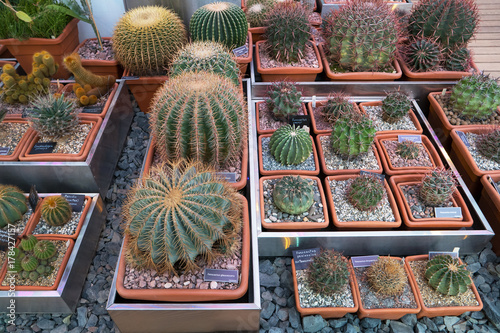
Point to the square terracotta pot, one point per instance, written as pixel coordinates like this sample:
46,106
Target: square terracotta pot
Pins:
270,131
21,145
69,88
411,114
312,111
435,75
244,61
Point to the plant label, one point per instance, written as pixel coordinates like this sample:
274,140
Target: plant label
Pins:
75,201
228,176
240,51
130,77
43,148
4,150
33,197
453,254
313,101
462,136
492,182
221,275
412,138
363,261
92,109
448,212
300,120
378,175
302,258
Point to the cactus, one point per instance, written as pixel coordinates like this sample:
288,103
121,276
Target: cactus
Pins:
422,55
338,105
84,96
328,273
29,263
28,242
284,99
33,276
475,97
100,83
53,117
56,210
199,116
352,136
387,276
488,145
446,275
437,187
177,213
146,39
288,30
44,250
408,150
205,56
395,106
12,205
362,36
293,194
17,267
257,11
220,22
365,192
458,60
290,145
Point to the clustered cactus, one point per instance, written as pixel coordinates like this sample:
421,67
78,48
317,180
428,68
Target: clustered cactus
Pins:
83,95
56,210
387,276
437,187
408,150
395,106
12,205
365,192
284,99
293,194
328,272
53,116
488,145
422,55
446,275
33,258
352,136
338,105
290,145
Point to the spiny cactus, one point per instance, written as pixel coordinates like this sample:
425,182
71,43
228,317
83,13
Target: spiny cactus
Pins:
293,194
44,250
53,117
284,99
290,145
12,205
387,276
446,275
458,60
56,210
179,212
408,149
199,116
338,105
422,55
437,186
100,84
352,136
28,242
29,263
395,106
365,192
257,11
222,22
146,39
488,145
205,56
328,272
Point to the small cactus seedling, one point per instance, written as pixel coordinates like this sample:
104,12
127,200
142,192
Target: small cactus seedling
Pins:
284,99
328,273
352,136
446,275
29,263
53,117
12,205
437,187
366,192
422,55
408,149
293,194
290,145
489,145
338,105
387,276
56,210
395,106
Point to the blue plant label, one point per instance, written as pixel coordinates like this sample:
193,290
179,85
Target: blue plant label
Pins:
75,201
412,138
43,148
363,261
379,175
448,212
495,186
4,150
462,136
432,254
228,176
221,275
92,109
33,197
240,51
130,77
300,120
302,258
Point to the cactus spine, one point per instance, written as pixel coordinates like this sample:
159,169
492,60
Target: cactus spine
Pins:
284,99
56,210
387,276
352,136
458,60
328,273
12,205
338,105
290,145
446,275
365,192
293,194
408,149
422,55
257,11
395,106
437,187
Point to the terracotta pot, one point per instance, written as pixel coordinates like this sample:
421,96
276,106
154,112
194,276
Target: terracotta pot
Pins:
59,157
69,88
388,313
57,88
361,224
287,73
59,272
359,76
244,61
390,169
428,223
21,144
432,312
326,312
192,295
144,88
59,47
263,172
270,131
337,172
411,114
4,62
435,75
101,67
311,111
258,33
490,206
294,225
4,52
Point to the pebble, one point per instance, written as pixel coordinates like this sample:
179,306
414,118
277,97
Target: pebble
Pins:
375,113
366,161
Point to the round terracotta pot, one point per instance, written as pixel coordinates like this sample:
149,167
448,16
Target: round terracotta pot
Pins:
69,88
21,144
192,295
144,88
311,111
244,61
428,223
390,169
490,206
411,114
101,67
435,75
361,224
294,225
432,312
257,115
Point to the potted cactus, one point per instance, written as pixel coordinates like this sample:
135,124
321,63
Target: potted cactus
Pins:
15,212
490,206
326,113
256,12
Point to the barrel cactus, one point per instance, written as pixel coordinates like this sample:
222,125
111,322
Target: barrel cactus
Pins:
146,39
338,105
422,55
458,60
437,187
387,276
56,210
284,99
44,250
365,192
352,136
199,116
12,205
222,22
181,210
488,145
395,106
29,263
328,273
53,116
447,275
408,150
257,11
293,194
290,145
28,242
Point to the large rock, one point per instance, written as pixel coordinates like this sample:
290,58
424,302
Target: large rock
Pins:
370,322
265,266
449,321
267,280
313,324
410,319
399,327
267,309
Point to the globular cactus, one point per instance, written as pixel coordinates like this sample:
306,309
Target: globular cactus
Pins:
56,210
257,11
293,194
395,106
34,276
365,192
446,275
362,36
387,276
84,95
205,56
29,263
437,187
290,145
12,205
352,136
53,117
179,212
199,116
28,242
459,60
222,22
422,55
475,97
101,84
284,99
338,105
488,145
408,150
328,273
288,30
146,39
44,250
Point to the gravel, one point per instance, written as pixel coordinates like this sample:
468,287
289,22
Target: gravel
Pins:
420,210
71,143
482,162
395,160
92,50
308,59
375,114
455,118
270,163
366,161
266,119
11,134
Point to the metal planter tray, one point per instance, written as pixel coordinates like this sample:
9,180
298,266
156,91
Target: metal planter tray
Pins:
325,8
67,295
93,175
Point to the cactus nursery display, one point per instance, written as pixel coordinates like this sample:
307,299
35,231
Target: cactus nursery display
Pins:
293,194
12,205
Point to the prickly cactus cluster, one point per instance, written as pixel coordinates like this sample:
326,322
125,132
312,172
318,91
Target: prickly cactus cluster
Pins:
284,99
56,210
33,259
422,55
488,145
395,106
338,105
293,194
12,205
366,192
290,145
446,275
387,276
408,149
437,187
53,117
82,95
328,273
352,136
458,60
257,11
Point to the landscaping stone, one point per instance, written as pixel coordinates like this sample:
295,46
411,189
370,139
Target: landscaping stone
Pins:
313,324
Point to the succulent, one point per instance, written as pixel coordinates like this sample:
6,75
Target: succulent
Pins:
408,149
488,145
422,55
284,99
328,272
290,145
222,22
85,94
446,275
387,276
146,39
338,105
28,242
437,187
288,31
365,192
53,117
56,210
101,84
12,205
33,276
293,194
352,136
205,56
475,97
44,250
395,106
16,266
29,263
458,60
178,212
257,11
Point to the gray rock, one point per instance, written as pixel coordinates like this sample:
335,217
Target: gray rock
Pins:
409,319
477,315
399,327
350,328
485,288
92,321
267,309
267,280
370,322
473,268
279,262
279,291
265,266
420,328
46,324
294,317
276,330
286,280
460,328
438,320
327,330
60,329
338,323
264,324
267,296
283,314
491,310
273,321
313,324
449,321
487,255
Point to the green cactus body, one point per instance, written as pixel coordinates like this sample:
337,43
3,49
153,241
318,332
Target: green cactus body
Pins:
284,100
293,194
12,205
446,275
28,242
56,210
54,117
458,60
41,269
366,192
34,276
222,22
29,263
199,116
387,276
17,267
423,55
489,145
44,249
437,187
338,105
352,136
257,12
290,145
408,150
328,273
395,106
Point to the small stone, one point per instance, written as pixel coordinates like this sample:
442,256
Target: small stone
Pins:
399,327
267,280
168,285
477,315
213,285
420,328
449,321
267,309
286,280
279,291
204,285
327,330
283,314
313,324
81,316
487,255
370,322
491,310
266,295
473,268
350,328
485,288
276,330
176,279
60,329
46,324
338,323
294,317
409,319
430,324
